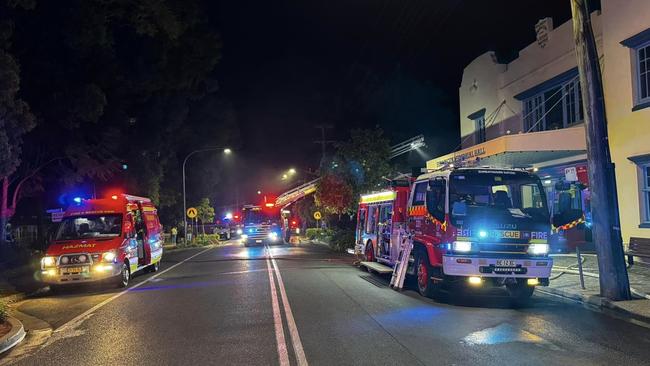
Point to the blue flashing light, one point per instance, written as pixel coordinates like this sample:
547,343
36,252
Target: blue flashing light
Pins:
77,199
482,234
125,166
250,230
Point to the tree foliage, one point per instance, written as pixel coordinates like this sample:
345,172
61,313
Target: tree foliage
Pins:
359,166
334,194
205,212
109,81
16,118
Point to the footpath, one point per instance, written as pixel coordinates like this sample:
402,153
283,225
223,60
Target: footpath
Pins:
566,283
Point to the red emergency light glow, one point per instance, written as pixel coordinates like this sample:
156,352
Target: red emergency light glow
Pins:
269,204
114,196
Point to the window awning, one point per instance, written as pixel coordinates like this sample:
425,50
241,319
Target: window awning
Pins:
520,150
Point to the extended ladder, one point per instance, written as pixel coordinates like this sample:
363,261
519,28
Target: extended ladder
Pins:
402,263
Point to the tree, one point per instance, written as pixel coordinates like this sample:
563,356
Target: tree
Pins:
16,119
334,194
205,212
105,73
364,159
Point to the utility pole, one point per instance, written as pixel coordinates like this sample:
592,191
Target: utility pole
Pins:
322,141
606,230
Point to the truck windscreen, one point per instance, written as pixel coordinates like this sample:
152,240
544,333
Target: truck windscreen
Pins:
91,226
257,217
489,192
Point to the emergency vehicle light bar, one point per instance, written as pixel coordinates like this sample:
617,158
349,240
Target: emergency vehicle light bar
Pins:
378,197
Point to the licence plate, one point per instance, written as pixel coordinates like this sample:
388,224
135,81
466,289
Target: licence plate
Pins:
258,241
69,270
505,263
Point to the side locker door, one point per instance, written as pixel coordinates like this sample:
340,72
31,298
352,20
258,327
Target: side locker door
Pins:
361,224
384,230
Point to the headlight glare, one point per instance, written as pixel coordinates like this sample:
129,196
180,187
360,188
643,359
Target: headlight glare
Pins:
108,256
538,249
239,231
48,261
462,246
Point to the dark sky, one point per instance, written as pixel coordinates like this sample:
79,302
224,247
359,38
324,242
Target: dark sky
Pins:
290,65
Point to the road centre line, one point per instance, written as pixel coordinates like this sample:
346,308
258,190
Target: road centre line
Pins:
76,321
281,343
291,323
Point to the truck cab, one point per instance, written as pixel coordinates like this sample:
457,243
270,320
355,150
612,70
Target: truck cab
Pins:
105,239
482,227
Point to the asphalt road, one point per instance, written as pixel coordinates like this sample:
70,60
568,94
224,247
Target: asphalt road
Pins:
227,305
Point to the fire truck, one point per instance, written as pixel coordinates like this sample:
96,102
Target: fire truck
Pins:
261,224
477,227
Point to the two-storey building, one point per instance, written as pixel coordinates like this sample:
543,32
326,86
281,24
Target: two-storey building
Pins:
528,113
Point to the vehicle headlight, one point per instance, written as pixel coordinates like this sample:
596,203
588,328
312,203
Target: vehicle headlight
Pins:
48,261
462,246
273,235
108,256
244,236
240,231
538,249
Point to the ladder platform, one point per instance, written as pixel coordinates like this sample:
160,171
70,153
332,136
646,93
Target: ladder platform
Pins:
377,267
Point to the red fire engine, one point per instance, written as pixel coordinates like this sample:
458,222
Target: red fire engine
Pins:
476,226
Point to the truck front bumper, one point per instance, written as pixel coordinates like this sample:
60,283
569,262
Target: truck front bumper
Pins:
466,266
90,273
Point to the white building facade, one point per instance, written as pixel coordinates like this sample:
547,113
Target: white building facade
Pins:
528,113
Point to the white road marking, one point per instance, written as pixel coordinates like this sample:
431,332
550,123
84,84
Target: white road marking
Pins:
283,355
76,321
293,330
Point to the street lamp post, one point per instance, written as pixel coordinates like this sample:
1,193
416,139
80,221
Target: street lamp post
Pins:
226,151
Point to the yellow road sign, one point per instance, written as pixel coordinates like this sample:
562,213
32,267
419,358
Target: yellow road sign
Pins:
317,215
192,212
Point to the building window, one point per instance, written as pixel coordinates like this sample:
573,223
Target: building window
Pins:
639,45
643,164
479,125
642,76
479,128
645,193
555,107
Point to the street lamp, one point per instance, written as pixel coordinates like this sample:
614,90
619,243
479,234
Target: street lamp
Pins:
292,171
226,151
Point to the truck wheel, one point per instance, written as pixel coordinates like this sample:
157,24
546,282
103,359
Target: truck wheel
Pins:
369,255
423,272
520,293
124,277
